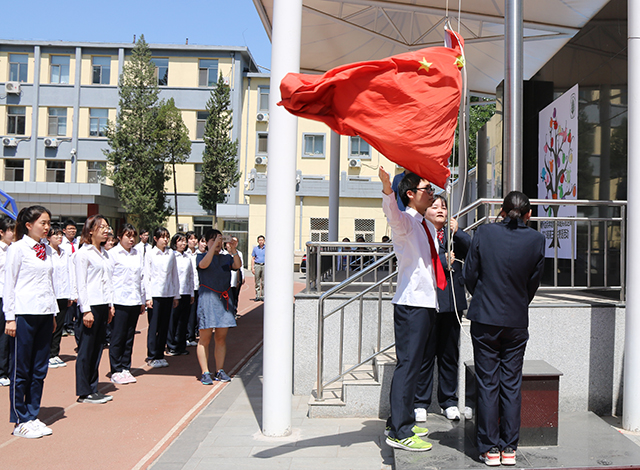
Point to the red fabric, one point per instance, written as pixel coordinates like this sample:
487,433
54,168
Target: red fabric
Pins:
441,279
407,113
41,251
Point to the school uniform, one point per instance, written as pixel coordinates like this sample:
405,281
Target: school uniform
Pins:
29,299
65,289
4,339
128,297
71,323
193,316
162,285
95,294
414,309
177,336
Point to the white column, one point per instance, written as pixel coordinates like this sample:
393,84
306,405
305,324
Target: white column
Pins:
281,199
334,187
631,404
512,156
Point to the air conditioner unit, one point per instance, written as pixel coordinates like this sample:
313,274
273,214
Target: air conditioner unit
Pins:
355,163
12,87
51,142
261,160
9,142
183,228
262,117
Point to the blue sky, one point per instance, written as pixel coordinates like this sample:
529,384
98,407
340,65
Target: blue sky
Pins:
213,22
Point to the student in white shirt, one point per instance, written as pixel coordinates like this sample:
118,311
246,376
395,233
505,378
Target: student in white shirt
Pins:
30,307
415,301
128,298
95,305
64,288
143,245
192,251
162,289
177,337
70,245
7,229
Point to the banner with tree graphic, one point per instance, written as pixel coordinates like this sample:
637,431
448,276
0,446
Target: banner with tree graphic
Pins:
558,169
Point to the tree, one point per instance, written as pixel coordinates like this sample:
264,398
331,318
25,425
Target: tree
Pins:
219,159
174,144
136,162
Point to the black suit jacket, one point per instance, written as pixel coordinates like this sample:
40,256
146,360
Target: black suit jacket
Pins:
461,244
503,270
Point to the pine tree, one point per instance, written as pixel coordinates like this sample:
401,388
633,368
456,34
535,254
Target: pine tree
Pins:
219,159
136,163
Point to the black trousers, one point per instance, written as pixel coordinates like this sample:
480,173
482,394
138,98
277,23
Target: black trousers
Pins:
158,326
412,326
57,334
443,343
177,336
192,324
4,346
90,351
498,353
122,334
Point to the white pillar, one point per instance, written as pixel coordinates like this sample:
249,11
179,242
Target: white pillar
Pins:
631,404
334,187
512,156
281,199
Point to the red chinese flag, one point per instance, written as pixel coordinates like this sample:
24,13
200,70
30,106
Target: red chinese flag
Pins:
405,106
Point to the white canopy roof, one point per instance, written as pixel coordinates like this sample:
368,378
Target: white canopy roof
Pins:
336,32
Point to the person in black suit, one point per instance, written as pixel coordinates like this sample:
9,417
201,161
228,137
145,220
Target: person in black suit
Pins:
503,270
444,338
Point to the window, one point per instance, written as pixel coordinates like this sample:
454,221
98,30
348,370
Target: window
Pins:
263,101
162,71
262,143
101,70
16,120
55,172
313,145
319,230
359,148
98,119
208,72
198,176
14,170
18,67
57,121
95,172
365,228
201,225
59,69
201,124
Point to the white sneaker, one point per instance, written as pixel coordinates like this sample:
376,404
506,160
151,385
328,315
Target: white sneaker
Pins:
118,378
163,363
155,363
5,382
130,379
468,413
46,431
27,430
60,362
53,364
421,414
452,413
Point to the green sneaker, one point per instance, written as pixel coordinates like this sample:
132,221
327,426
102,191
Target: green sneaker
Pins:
413,444
417,430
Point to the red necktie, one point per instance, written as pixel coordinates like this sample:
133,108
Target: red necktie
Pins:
441,235
41,252
441,280
73,248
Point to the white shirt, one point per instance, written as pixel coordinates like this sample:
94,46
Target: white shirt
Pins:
64,276
128,268
196,279
161,274
416,279
185,272
93,277
143,248
235,279
67,245
28,281
3,259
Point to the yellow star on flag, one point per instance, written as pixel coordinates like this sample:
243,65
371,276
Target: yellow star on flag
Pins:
424,64
459,62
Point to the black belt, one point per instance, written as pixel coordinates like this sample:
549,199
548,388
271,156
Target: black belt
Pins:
259,264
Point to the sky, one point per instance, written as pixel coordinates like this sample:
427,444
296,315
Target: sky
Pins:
213,23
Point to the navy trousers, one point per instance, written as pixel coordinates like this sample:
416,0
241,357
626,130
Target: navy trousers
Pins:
412,326
498,353
28,365
123,332
177,336
192,325
90,351
158,327
443,343
4,347
57,334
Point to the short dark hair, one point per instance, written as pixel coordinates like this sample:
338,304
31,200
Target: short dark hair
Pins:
260,236
190,234
516,205
7,223
126,229
159,233
212,233
69,222
409,182
56,229
143,230
175,239
442,198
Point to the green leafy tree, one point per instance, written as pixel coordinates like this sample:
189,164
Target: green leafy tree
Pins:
219,159
174,144
136,162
